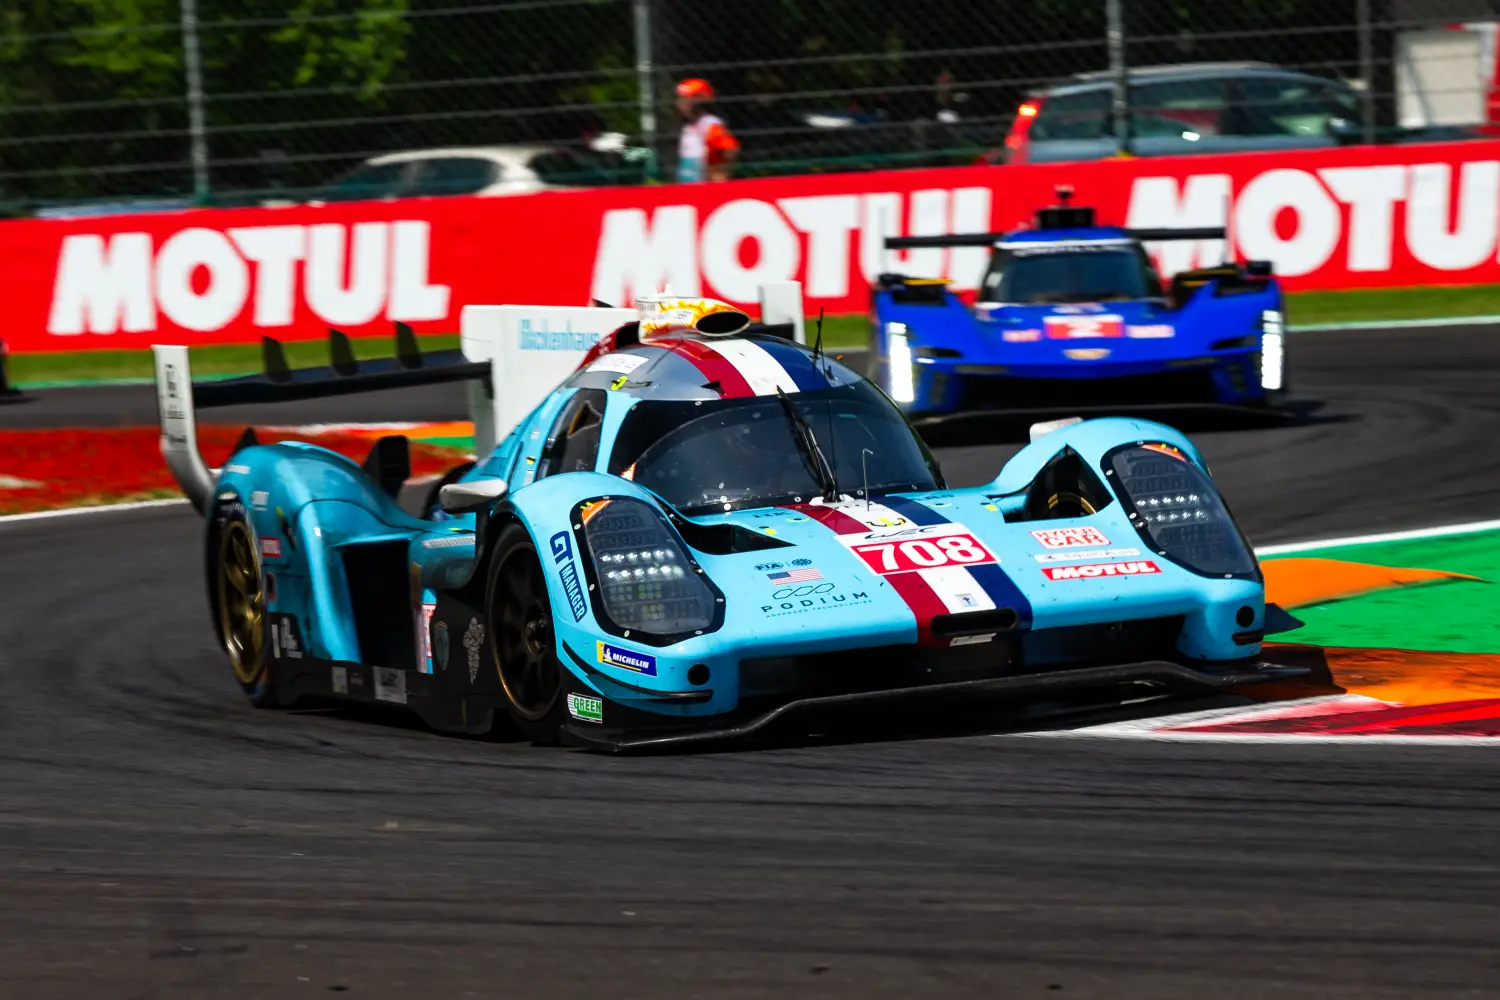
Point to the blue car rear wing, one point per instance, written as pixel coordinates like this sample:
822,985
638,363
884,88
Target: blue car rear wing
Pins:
991,239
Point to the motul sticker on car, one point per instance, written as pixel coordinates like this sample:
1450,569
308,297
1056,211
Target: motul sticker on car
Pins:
1094,571
1070,538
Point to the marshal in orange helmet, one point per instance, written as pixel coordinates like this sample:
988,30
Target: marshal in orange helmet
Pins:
707,149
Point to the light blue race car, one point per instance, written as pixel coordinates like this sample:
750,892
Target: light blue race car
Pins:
706,529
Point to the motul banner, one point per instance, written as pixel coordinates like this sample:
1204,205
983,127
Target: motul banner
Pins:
1362,217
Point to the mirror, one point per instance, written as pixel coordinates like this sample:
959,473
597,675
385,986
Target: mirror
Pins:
465,498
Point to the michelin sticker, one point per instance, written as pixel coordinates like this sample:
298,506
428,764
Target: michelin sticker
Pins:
625,659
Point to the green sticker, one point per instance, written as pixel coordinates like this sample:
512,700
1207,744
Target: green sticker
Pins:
586,709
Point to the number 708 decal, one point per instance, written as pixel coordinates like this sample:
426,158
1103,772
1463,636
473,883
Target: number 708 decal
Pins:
907,555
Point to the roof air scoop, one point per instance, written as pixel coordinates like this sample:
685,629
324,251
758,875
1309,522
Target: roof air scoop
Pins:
662,315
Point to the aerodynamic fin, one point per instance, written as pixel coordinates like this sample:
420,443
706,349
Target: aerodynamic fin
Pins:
274,355
341,353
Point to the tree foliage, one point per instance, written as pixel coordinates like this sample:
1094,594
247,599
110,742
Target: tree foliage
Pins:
92,91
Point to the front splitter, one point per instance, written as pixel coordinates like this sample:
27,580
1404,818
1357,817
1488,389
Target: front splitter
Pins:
1164,673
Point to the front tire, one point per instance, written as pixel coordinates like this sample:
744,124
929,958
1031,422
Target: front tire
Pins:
522,641
239,604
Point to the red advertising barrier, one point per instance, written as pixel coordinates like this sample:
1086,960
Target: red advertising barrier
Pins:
1365,217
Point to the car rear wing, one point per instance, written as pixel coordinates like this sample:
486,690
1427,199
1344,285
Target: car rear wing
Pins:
179,398
994,239
510,358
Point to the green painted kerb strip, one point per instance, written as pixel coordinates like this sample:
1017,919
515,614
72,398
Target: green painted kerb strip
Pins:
1458,616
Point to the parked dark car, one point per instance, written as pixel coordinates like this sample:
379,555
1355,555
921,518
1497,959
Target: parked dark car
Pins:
1194,108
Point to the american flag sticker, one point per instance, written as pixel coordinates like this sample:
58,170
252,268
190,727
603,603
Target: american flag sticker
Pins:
795,575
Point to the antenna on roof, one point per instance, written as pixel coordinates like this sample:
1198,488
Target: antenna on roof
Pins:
818,340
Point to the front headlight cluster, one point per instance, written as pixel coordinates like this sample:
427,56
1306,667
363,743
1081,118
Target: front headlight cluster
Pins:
898,360
1272,351
646,579
1173,503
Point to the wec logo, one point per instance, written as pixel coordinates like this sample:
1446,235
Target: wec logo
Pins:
1094,571
203,279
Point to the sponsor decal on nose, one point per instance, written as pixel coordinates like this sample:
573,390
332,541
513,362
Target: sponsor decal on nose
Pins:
1094,571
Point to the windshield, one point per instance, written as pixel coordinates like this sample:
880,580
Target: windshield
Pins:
1110,272
736,453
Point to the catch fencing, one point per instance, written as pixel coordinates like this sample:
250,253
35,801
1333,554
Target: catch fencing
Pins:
237,101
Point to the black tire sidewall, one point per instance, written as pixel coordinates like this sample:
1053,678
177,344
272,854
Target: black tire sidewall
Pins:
543,731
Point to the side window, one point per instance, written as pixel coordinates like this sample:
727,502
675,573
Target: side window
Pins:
564,168
372,181
454,175
573,443
1083,115
1190,108
1271,106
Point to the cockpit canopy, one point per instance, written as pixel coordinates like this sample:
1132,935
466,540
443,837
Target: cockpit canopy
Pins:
726,423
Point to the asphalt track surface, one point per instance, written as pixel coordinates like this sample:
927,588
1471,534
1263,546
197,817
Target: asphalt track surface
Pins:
159,838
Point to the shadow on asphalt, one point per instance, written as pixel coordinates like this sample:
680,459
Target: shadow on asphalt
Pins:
1003,427
1131,703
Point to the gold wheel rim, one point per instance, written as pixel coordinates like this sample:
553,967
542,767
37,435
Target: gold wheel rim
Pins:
1058,499
242,603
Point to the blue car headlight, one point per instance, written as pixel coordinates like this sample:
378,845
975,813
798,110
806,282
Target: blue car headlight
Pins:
645,583
1178,510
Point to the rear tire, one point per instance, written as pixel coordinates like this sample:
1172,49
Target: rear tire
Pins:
239,603
522,642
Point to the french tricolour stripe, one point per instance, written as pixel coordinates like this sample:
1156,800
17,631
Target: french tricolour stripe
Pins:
762,371
931,591
994,580
743,367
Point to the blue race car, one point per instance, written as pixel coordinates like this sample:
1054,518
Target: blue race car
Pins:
706,529
1071,316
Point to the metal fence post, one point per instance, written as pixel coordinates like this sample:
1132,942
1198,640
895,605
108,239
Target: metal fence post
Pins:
192,65
1367,70
645,78
1114,14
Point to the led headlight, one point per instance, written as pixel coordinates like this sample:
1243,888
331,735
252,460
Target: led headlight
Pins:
1272,351
898,355
646,579
1173,503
